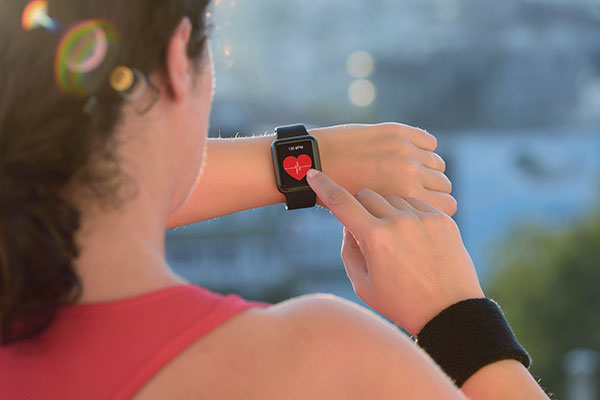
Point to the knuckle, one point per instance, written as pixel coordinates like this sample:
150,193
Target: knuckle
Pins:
391,197
425,134
434,141
441,219
411,169
436,219
401,130
362,192
407,130
398,220
449,224
441,163
449,184
336,197
431,138
453,206
402,145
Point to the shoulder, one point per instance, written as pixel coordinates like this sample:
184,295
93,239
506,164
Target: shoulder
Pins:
331,345
310,344
341,350
317,319
326,317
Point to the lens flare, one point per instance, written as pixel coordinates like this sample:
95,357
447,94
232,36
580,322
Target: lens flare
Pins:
89,53
121,78
85,56
36,14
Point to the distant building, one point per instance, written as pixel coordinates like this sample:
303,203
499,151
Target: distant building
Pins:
440,64
507,180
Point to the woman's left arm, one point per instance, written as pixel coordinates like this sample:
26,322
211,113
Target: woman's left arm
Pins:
389,158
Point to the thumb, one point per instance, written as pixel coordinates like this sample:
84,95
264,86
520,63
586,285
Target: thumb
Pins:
346,208
354,260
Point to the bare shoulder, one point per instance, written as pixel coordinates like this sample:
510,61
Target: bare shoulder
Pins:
341,350
316,346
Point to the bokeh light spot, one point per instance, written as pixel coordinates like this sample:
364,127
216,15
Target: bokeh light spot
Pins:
36,14
360,64
362,92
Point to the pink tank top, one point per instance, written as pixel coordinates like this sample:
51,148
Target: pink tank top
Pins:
110,350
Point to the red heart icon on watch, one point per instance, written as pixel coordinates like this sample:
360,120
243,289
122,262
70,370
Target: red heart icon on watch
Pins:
297,167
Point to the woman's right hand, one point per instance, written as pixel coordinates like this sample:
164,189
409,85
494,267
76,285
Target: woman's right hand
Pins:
404,257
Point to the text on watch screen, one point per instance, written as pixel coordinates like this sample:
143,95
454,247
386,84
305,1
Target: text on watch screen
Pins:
295,159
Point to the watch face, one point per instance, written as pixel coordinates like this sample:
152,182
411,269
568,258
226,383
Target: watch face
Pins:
294,161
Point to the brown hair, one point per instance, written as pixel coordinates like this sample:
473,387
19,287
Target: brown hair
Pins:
50,144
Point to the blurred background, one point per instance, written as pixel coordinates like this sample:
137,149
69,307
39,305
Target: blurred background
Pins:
511,89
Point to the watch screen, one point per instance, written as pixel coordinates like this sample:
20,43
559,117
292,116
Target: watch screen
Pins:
295,159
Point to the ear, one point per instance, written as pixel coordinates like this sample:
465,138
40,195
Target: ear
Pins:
177,62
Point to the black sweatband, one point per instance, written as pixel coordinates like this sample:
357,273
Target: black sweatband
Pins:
469,335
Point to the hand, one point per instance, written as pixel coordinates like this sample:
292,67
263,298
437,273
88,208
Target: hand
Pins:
404,258
389,158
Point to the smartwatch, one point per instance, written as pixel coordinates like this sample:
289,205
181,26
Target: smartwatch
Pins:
294,153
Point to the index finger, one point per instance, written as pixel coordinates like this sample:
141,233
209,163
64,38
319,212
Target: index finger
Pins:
346,208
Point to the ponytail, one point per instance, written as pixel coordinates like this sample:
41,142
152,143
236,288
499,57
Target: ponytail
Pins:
36,274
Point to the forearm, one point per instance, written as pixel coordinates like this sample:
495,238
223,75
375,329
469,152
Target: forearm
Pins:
507,379
389,158
238,175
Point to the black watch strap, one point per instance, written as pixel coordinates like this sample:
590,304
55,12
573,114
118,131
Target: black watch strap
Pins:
300,199
290,131
303,199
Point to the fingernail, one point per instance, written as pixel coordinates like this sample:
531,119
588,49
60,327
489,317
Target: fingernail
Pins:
311,173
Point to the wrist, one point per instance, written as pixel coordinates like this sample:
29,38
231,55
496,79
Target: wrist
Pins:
435,308
469,335
323,147
264,142
328,165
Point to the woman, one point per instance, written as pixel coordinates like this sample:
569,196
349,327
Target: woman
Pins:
103,119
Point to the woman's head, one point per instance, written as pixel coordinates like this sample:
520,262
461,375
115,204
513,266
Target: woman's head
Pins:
61,125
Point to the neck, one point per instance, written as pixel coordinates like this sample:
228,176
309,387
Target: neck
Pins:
123,251
123,254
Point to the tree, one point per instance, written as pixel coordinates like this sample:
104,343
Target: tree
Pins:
548,284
